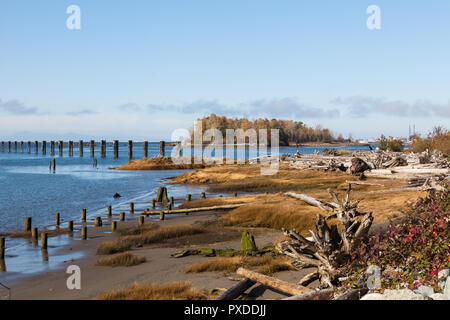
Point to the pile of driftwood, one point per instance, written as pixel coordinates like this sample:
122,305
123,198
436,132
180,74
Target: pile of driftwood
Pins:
421,170
327,250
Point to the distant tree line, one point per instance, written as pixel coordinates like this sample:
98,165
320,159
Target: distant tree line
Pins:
290,131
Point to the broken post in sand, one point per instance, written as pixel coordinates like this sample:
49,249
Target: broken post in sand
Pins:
44,147
81,148
44,238
70,146
130,149
83,215
27,226
109,211
84,233
188,197
141,221
98,221
116,149
131,208
162,148
113,226
92,148
36,147
122,216
60,147
52,148
145,149
57,219
161,196
70,226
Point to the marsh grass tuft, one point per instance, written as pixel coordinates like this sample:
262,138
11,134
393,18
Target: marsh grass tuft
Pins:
160,234
153,291
124,259
266,264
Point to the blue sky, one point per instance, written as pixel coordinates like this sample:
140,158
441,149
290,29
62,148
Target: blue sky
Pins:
141,69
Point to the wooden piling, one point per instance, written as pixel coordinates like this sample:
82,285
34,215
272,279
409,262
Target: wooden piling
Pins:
2,248
98,221
81,148
161,216
84,233
15,146
92,148
29,147
44,238
116,149
83,215
44,147
70,226
162,148
203,195
57,219
188,197
103,148
21,146
235,194
27,226
169,207
153,203
113,226
52,148
131,208
36,147
61,148
171,201
109,211
9,146
94,163
130,149
3,146
161,196
122,216
145,149
141,221
70,148
34,234
54,164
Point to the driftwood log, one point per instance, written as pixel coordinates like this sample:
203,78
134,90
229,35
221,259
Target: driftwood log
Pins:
328,250
236,290
174,211
275,283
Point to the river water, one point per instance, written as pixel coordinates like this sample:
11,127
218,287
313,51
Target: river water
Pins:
29,189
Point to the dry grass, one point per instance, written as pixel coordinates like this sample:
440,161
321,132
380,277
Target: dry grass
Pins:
161,234
153,291
266,264
124,259
134,230
159,163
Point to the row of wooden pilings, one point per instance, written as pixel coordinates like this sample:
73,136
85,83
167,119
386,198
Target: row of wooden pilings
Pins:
161,197
70,146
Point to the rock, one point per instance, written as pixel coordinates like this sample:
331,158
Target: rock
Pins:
425,291
358,166
442,276
116,195
447,289
437,296
403,294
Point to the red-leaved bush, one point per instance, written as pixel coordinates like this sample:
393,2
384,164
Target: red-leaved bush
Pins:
412,251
